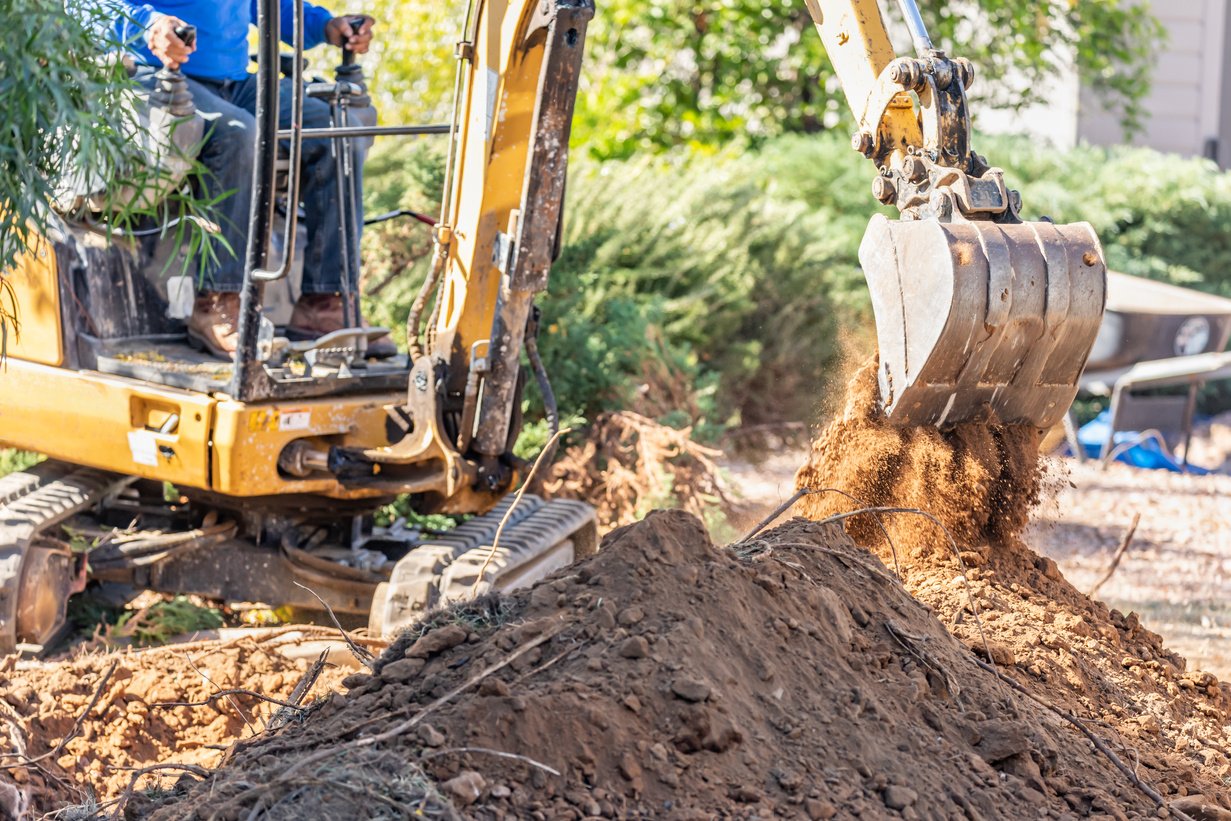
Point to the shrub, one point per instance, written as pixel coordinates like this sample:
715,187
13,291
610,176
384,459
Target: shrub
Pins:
714,289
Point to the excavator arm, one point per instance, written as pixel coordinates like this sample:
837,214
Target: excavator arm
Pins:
518,70
976,310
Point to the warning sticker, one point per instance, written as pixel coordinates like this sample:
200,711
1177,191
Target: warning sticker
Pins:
262,420
295,420
267,421
143,447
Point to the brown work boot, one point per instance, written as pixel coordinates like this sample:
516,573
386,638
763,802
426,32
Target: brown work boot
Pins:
318,314
214,324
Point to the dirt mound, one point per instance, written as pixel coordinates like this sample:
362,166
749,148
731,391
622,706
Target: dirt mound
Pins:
629,464
791,676
980,479
1005,601
89,723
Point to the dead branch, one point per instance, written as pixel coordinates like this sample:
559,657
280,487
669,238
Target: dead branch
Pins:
259,637
500,753
138,774
55,751
232,701
1094,739
801,493
1119,554
227,694
364,655
306,682
402,727
957,554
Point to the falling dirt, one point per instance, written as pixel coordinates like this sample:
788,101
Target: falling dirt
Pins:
92,722
791,676
979,479
1002,599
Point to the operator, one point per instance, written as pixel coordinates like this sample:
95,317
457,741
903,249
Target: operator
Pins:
224,91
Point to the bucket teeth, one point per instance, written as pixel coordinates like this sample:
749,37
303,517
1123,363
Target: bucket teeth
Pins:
972,316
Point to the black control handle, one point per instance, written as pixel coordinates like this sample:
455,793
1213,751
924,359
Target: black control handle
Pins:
188,34
348,56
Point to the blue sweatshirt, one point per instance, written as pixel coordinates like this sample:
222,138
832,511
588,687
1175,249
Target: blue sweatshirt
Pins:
222,31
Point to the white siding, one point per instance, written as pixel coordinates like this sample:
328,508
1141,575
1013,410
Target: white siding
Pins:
1184,103
1189,101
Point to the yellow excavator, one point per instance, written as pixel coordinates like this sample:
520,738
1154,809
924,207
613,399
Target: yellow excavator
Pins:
277,460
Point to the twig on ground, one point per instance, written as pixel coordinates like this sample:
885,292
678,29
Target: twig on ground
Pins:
1119,554
55,751
364,655
1094,739
256,635
228,695
957,554
801,493
485,751
230,700
306,682
549,662
138,774
404,726
913,645
547,450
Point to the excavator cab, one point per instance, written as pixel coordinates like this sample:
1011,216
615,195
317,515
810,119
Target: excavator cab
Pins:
259,479
977,311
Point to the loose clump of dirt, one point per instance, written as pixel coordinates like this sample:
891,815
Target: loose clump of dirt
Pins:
979,479
131,723
629,464
791,676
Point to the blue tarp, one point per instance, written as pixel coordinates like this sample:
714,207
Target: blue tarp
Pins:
1147,453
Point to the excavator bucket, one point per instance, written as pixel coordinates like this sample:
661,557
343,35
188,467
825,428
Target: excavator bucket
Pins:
979,315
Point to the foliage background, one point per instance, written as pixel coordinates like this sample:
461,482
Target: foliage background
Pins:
664,73
720,289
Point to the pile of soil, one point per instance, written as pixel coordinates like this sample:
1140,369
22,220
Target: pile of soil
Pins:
789,676
92,721
1001,598
627,465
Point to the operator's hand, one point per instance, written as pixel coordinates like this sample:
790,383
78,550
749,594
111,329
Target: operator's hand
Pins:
339,32
164,42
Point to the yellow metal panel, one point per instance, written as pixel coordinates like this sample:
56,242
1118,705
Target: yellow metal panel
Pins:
106,422
249,438
857,43
502,91
38,308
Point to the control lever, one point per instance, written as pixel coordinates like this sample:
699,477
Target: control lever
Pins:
188,34
348,56
171,92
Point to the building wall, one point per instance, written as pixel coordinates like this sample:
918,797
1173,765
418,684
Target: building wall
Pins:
1189,91
1188,108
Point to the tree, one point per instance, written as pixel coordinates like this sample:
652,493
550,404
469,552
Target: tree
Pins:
670,72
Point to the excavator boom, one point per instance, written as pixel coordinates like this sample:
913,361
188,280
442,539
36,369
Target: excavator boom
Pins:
976,310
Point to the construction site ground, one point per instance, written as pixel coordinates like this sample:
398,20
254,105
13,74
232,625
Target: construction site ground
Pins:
855,668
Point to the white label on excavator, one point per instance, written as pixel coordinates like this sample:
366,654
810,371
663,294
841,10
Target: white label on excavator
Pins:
483,102
144,448
295,420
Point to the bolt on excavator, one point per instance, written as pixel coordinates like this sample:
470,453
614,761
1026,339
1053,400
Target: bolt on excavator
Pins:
279,458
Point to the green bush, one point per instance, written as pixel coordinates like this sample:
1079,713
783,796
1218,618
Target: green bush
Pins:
714,289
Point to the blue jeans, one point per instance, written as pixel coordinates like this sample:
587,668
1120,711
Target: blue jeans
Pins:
228,155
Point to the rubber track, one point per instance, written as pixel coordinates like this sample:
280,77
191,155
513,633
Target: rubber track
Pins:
446,567
30,502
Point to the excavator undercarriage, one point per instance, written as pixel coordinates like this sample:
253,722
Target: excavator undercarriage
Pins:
257,479
62,526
